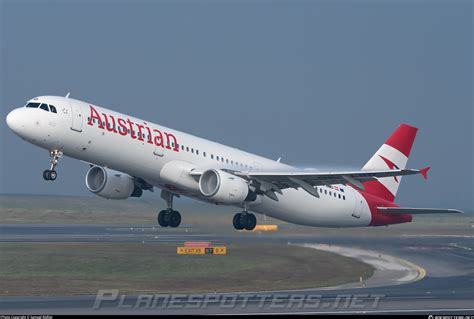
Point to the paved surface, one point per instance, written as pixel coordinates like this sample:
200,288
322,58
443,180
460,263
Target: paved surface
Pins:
443,284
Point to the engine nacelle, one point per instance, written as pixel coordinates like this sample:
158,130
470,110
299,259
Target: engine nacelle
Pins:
223,187
111,184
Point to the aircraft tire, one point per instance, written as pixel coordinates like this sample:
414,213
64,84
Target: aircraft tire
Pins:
237,221
174,218
46,175
163,218
249,221
52,175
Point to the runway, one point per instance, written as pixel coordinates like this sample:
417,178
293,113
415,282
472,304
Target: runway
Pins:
447,287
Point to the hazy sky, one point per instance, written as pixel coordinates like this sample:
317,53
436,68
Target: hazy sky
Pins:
319,83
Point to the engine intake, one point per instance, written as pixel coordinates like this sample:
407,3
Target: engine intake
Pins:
111,184
223,187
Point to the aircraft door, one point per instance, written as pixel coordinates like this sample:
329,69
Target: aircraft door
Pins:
358,204
76,117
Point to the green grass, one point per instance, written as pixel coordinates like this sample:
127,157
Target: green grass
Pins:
84,268
36,209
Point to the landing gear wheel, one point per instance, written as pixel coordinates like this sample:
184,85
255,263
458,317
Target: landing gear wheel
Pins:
46,175
52,175
174,219
169,217
249,221
163,218
237,221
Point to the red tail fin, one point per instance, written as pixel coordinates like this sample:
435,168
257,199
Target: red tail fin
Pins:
393,154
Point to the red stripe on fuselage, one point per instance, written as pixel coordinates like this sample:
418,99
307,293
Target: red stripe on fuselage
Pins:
381,219
379,190
378,218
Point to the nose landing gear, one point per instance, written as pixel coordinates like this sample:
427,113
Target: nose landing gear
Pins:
50,174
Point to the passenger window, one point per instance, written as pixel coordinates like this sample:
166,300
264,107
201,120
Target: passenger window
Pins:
53,108
227,160
192,150
44,107
339,196
197,152
343,197
222,159
217,157
182,147
187,148
212,156
204,154
326,191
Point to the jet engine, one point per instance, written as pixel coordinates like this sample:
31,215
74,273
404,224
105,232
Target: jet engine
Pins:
111,184
224,187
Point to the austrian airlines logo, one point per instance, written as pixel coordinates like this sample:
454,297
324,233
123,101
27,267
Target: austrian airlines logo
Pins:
136,131
390,165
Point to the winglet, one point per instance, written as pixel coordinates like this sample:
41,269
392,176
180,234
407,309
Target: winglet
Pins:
424,172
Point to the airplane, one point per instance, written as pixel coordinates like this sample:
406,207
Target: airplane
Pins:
128,155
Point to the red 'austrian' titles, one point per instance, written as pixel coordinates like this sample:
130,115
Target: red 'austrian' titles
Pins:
123,127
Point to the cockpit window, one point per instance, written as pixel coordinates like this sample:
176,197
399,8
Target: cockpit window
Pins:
44,107
34,105
53,108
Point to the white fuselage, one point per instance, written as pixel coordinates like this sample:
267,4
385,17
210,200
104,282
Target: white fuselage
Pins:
75,131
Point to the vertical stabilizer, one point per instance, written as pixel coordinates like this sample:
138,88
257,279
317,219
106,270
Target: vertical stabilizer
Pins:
393,154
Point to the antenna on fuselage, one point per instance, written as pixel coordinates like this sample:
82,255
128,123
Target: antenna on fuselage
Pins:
67,95
279,159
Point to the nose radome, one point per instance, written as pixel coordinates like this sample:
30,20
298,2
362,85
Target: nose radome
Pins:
14,120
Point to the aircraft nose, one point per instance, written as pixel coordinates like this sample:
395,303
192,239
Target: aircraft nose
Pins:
14,120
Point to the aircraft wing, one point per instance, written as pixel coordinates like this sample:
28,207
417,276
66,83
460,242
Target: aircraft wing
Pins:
275,181
270,182
408,210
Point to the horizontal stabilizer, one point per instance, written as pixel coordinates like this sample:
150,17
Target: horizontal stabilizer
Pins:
408,210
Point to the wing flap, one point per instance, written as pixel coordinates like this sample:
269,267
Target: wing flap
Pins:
409,210
287,179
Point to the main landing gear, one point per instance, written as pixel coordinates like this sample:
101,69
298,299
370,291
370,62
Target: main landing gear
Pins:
244,220
50,174
169,217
